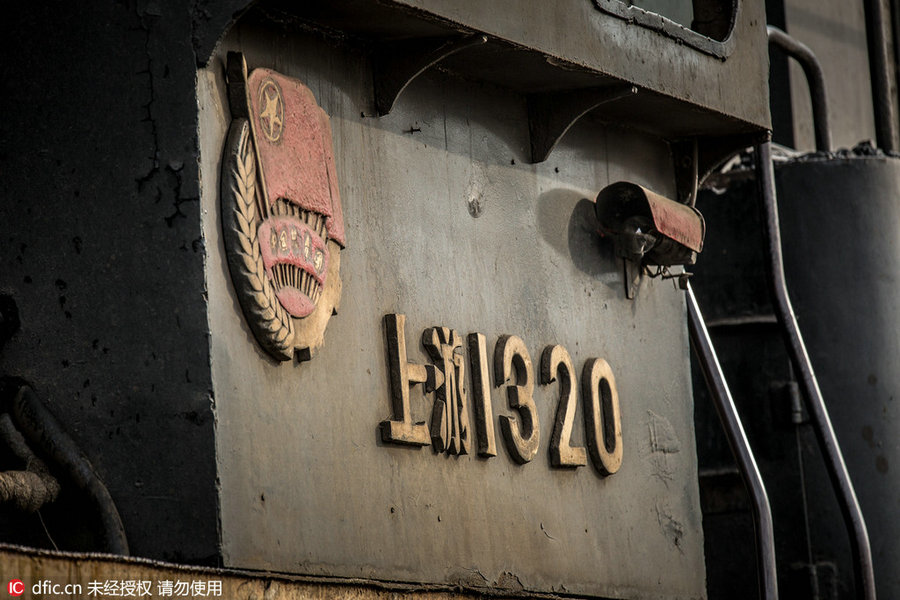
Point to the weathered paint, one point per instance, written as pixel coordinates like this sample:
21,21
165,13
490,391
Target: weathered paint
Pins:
293,138
307,484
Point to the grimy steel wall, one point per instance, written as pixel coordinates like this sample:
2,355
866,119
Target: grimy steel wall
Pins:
450,226
306,483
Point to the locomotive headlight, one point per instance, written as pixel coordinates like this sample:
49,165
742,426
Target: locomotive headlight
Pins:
647,228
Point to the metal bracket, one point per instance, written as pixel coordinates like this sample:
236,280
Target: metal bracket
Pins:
787,402
634,272
551,114
395,66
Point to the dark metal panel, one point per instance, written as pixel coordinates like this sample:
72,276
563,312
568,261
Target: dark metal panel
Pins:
841,231
103,255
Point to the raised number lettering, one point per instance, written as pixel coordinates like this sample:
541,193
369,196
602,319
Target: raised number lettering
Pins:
465,441
603,422
403,374
523,435
556,364
481,396
450,416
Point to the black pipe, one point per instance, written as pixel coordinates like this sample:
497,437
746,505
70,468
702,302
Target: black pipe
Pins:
32,488
815,79
740,447
42,429
831,451
879,75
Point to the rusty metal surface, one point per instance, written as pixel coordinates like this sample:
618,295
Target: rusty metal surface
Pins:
677,221
666,221
109,264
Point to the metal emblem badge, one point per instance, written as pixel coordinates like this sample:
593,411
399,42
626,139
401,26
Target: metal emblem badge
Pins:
281,210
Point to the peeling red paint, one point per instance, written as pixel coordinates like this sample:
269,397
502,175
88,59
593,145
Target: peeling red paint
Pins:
677,221
293,137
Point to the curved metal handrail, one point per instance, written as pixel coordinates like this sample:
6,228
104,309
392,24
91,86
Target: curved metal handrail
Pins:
831,451
740,447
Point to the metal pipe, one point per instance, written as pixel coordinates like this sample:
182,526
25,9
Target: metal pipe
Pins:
42,429
879,75
740,447
815,79
32,488
831,451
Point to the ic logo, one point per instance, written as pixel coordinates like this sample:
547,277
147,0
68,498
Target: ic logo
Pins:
16,587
